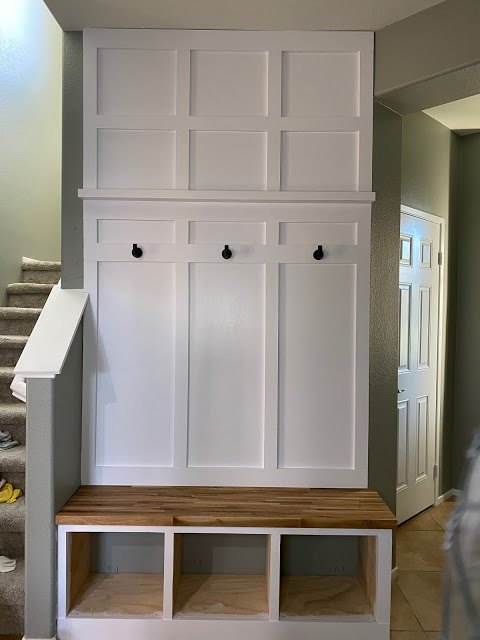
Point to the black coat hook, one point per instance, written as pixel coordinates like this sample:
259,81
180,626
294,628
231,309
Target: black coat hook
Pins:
226,253
318,253
137,252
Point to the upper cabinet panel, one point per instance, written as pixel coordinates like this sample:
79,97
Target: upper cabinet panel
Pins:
136,82
228,83
320,84
210,111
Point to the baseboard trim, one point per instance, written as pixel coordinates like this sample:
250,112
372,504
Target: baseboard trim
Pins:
394,573
25,638
452,493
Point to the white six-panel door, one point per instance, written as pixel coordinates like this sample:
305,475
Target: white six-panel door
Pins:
202,370
417,371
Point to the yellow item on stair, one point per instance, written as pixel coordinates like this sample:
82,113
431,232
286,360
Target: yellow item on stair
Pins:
9,495
16,494
6,493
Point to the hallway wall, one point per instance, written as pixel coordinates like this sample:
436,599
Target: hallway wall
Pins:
431,161
30,134
467,370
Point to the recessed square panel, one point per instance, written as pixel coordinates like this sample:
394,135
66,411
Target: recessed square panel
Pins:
136,82
426,254
405,250
320,84
228,83
223,160
131,159
319,161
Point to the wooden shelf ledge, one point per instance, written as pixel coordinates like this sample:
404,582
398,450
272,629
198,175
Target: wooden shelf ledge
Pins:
227,506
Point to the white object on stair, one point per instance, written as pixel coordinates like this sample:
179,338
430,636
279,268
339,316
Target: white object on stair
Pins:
19,388
7,565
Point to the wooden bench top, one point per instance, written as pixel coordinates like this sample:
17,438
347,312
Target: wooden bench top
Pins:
227,507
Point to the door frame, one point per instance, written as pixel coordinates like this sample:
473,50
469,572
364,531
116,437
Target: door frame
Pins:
441,340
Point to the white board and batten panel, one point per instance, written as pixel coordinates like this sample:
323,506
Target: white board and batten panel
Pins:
247,371
226,365
228,111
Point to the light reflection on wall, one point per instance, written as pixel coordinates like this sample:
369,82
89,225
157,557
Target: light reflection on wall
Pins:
11,20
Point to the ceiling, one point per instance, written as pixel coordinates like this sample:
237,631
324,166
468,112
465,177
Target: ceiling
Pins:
461,116
234,14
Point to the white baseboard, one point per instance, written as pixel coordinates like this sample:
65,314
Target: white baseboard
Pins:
25,638
452,493
394,573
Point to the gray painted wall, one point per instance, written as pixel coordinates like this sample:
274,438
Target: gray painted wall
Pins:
72,161
54,423
427,44
30,134
387,142
467,371
431,161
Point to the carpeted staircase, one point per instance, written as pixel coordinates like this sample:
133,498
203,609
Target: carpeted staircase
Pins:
25,301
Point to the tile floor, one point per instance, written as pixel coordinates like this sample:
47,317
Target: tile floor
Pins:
417,588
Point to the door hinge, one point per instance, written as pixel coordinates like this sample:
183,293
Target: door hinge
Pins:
435,471
440,258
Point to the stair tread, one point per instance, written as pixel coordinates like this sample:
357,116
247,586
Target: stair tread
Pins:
13,460
30,264
29,287
12,516
11,412
13,342
7,373
19,313
12,586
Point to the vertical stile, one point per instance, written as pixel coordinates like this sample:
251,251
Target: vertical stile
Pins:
274,115
63,571
181,351
182,111
168,575
271,351
273,576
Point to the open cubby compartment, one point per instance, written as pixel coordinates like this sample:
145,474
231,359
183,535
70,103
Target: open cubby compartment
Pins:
112,574
220,575
328,576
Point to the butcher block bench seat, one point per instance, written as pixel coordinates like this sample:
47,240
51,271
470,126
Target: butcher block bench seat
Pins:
172,563
227,507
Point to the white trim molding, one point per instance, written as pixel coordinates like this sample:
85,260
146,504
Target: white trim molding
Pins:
48,346
452,493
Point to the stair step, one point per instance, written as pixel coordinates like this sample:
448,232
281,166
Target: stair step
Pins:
12,589
10,349
12,467
29,287
18,320
26,294
29,264
12,460
12,622
12,415
6,377
12,516
12,544
40,271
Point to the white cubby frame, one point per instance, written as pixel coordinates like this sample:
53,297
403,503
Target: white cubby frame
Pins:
273,627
